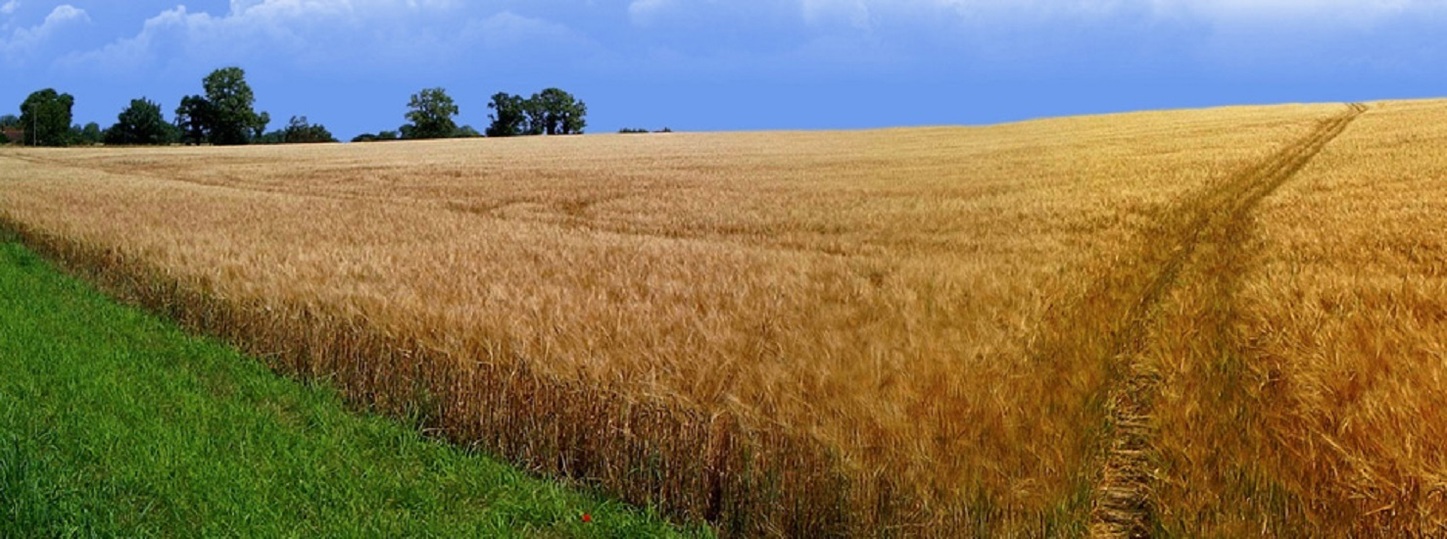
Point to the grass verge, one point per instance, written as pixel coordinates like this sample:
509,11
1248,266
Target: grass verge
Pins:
113,422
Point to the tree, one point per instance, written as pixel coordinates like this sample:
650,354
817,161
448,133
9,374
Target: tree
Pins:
89,134
559,112
431,115
509,115
9,120
299,131
379,137
141,123
194,119
46,117
233,118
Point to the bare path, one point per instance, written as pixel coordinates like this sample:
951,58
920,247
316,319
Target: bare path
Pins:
1218,217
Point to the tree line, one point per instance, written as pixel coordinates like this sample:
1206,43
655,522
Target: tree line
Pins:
224,114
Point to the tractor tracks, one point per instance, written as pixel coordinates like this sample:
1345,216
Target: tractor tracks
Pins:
1218,217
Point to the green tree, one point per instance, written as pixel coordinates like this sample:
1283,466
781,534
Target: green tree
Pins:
234,119
431,112
299,131
45,116
141,123
9,120
89,134
194,119
509,115
557,113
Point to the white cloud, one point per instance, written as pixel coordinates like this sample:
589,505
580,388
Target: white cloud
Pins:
332,36
303,31
24,42
508,29
9,7
1295,12
855,13
645,12
1211,12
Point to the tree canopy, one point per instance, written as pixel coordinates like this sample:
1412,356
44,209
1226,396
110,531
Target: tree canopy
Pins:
509,115
299,131
193,118
551,112
141,123
430,112
559,112
233,118
225,115
45,116
88,134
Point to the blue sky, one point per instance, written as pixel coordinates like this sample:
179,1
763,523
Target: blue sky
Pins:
728,65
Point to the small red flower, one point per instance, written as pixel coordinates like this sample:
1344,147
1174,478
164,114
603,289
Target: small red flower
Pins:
587,517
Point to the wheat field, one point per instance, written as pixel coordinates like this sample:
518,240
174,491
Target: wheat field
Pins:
1209,322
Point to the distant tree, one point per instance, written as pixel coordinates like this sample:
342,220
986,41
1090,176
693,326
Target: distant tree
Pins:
664,130
4,139
271,137
46,117
299,131
233,118
632,131
537,123
431,112
194,119
141,123
378,137
466,131
559,112
89,134
9,120
509,115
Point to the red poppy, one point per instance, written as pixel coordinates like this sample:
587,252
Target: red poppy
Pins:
587,517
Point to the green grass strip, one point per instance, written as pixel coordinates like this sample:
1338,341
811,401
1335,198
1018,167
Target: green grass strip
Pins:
116,423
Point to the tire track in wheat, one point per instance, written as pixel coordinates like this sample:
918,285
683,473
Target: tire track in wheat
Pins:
1110,322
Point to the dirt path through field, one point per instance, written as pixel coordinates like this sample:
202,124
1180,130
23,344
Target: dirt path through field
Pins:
1205,234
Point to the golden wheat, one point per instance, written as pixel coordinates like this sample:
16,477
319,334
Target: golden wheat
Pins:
823,332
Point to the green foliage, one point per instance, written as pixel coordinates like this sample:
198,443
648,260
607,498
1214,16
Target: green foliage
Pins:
4,139
379,137
632,131
299,131
509,115
9,120
430,113
559,112
89,134
116,424
225,115
466,131
550,112
233,119
194,119
45,115
141,123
